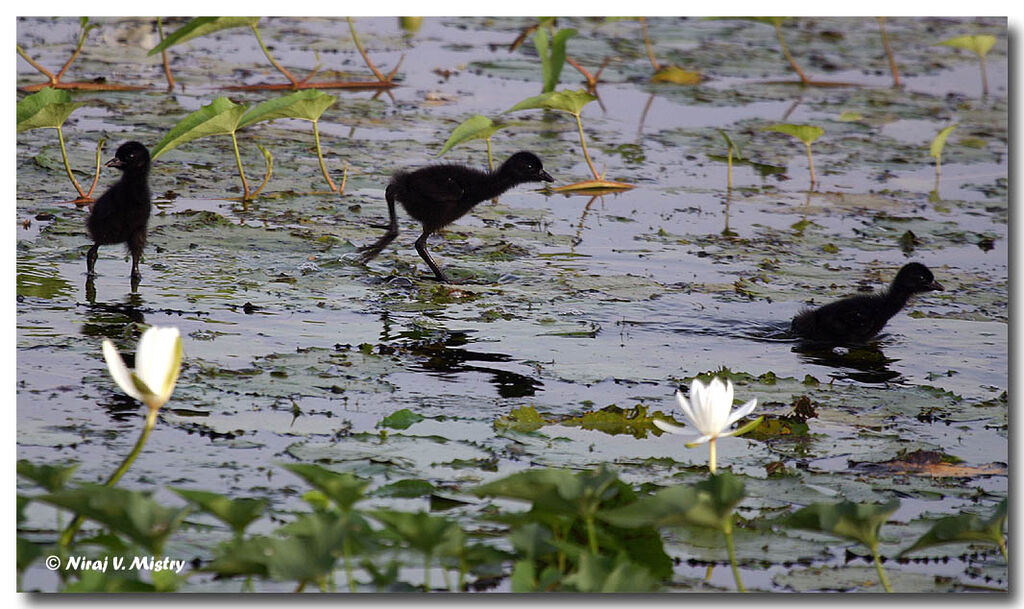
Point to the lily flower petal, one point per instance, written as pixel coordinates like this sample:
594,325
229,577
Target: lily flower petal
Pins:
668,427
157,365
741,412
119,371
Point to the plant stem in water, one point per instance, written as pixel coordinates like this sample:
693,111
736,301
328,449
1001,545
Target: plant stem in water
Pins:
320,156
881,572
731,548
789,58
163,55
712,455
888,52
241,172
69,533
67,164
984,77
810,163
583,143
273,61
591,535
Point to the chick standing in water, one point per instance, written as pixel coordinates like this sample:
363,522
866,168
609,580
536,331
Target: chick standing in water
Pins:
440,194
121,214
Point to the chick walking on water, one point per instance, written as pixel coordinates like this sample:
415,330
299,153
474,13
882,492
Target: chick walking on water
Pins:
440,194
858,318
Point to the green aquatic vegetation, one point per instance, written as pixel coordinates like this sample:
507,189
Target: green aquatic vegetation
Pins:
203,26
573,103
429,535
980,45
220,117
859,522
49,109
133,514
476,127
236,513
50,477
966,528
54,80
734,151
707,504
935,151
304,105
806,134
562,527
550,45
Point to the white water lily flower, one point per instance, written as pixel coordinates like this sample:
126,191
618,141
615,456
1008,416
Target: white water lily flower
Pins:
157,365
709,410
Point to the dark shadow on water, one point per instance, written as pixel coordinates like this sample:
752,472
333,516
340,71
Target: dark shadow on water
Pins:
442,355
108,320
865,363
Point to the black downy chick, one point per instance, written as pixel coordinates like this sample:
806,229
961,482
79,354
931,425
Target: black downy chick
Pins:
121,214
440,194
858,318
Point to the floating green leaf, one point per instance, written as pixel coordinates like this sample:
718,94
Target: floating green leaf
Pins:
236,513
219,117
849,116
979,44
805,133
400,419
524,418
476,127
47,108
201,26
676,76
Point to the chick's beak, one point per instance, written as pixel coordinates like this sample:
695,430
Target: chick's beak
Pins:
115,162
545,176
935,285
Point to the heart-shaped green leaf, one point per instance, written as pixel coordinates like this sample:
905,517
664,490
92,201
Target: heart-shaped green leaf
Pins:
219,117
566,101
805,133
306,105
476,127
979,44
46,108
